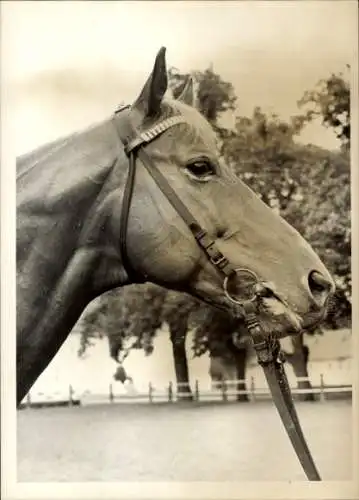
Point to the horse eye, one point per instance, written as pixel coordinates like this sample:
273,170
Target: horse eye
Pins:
201,169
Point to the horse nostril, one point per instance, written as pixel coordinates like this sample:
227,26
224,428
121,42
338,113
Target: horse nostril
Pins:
319,286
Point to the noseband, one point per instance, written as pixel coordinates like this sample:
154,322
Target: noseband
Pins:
267,352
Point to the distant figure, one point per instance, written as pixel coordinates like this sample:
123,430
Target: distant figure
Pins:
220,369
121,376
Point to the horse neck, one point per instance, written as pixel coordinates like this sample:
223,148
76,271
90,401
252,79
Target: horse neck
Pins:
67,171
59,189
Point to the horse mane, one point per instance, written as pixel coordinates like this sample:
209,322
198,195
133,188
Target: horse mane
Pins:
54,172
23,161
27,161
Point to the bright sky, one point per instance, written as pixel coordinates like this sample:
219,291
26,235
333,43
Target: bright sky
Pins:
67,64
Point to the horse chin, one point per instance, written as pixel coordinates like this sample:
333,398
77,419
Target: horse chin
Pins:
313,319
277,319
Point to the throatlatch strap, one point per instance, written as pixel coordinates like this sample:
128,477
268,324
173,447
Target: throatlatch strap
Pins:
126,205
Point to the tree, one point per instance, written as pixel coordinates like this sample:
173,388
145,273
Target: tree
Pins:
324,213
330,101
264,154
89,324
328,219
176,312
214,96
130,318
134,316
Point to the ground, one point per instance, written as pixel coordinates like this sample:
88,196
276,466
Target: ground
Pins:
180,442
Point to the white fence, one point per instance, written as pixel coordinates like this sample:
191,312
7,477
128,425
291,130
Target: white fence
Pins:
225,391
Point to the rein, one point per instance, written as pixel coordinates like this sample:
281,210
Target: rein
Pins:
267,350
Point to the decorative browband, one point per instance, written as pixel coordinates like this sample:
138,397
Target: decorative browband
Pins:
150,134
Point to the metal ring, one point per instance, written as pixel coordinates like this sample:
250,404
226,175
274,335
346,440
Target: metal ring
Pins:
238,271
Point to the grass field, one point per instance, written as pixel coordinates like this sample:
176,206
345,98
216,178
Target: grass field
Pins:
181,442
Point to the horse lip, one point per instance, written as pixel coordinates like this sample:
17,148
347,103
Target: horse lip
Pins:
313,319
309,321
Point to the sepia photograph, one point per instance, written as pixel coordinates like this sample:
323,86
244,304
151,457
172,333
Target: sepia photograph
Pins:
177,237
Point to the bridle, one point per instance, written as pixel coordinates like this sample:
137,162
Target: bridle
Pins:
134,149
268,352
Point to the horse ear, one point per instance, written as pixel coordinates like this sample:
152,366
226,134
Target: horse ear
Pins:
188,95
149,101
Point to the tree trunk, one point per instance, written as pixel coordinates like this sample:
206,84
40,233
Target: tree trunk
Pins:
299,362
178,341
240,356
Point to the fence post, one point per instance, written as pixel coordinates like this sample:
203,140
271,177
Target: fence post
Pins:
70,395
28,400
170,392
150,392
224,390
322,393
111,396
253,389
196,391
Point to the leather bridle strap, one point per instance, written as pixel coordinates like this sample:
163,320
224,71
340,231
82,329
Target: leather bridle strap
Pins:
202,237
267,351
268,356
134,150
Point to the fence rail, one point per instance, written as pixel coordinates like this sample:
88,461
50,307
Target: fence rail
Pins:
224,391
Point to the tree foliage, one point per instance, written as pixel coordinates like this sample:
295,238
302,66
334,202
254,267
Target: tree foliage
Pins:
214,95
129,317
330,101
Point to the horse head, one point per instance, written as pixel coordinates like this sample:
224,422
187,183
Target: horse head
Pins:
162,248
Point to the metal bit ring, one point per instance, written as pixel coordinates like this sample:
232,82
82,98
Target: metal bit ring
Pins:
255,288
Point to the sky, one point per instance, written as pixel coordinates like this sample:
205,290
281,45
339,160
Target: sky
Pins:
68,64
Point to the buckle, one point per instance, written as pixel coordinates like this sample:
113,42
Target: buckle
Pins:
132,144
219,260
121,107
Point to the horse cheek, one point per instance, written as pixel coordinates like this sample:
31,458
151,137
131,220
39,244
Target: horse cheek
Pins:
167,254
